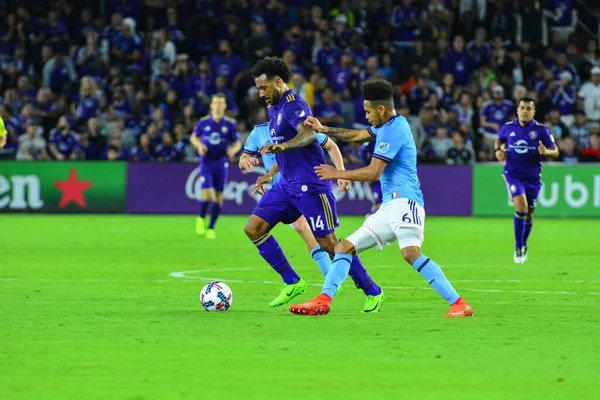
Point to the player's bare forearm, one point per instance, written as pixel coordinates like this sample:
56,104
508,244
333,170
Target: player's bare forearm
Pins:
235,147
370,173
348,135
552,152
365,174
195,141
273,171
304,137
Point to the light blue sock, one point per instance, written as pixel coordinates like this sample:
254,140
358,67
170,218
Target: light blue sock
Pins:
322,259
436,278
337,274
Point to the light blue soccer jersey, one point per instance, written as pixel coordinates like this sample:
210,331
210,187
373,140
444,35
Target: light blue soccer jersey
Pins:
261,136
395,145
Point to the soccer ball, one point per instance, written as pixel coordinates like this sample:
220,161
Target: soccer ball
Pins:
216,296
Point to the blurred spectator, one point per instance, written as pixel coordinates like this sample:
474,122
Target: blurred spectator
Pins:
568,151
144,151
63,141
32,147
329,111
494,114
167,151
589,96
460,153
580,130
592,153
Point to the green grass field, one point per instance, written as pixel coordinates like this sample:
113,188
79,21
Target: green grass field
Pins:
99,307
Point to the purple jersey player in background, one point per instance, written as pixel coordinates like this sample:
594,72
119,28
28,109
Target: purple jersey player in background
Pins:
215,137
299,191
523,143
366,154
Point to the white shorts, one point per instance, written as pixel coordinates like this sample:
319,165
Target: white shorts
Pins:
399,220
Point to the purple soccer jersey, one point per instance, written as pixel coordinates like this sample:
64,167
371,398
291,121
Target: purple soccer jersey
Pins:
299,190
217,136
523,168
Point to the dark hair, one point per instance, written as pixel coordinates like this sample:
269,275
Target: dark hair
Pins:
272,67
378,90
527,99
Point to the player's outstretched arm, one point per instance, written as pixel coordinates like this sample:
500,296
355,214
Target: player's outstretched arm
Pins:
2,141
304,137
338,161
346,135
370,173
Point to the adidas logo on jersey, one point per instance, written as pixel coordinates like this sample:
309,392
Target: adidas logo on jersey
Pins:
512,134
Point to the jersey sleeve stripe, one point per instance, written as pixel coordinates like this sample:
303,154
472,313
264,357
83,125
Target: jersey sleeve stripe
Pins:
252,153
324,142
371,132
382,158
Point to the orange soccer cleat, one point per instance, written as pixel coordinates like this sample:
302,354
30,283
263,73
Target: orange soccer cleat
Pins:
459,309
317,306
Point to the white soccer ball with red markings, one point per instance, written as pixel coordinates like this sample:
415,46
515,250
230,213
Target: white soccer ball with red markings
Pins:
216,296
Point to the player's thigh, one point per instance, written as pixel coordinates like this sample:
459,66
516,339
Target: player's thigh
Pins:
274,207
532,191
516,191
220,175
319,210
406,219
375,232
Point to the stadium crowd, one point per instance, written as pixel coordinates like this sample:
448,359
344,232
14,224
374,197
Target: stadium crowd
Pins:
128,79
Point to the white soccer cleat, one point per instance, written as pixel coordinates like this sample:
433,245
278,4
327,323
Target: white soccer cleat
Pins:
519,257
523,254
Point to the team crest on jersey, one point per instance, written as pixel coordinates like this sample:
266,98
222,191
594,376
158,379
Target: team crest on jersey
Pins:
533,134
383,147
279,119
513,188
224,129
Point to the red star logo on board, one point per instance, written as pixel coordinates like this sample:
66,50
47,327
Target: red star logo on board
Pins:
72,189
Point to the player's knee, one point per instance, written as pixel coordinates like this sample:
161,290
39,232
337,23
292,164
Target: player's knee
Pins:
254,230
300,226
327,244
344,247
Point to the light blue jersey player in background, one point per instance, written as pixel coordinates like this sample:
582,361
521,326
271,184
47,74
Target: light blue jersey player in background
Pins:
401,217
260,137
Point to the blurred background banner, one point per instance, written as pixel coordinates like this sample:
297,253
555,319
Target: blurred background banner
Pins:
568,191
175,189
68,187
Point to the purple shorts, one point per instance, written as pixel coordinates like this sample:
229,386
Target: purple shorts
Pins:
282,204
529,187
213,175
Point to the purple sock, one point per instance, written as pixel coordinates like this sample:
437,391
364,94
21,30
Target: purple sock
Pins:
359,275
203,208
519,221
270,250
528,227
216,211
